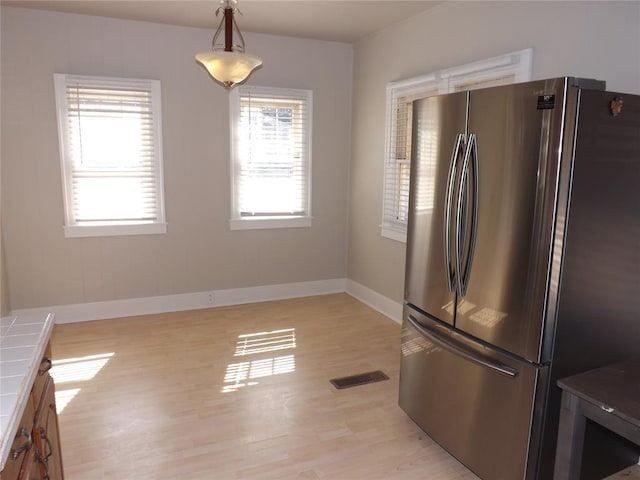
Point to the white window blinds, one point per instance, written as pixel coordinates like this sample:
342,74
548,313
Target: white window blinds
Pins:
271,157
509,68
398,160
111,155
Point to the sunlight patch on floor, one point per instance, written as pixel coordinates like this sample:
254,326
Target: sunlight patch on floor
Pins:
63,397
243,374
239,375
78,369
261,342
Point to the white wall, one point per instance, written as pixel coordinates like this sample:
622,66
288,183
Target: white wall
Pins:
591,39
199,252
4,292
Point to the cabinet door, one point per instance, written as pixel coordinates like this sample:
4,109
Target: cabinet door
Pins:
21,445
437,148
518,147
30,468
46,436
42,377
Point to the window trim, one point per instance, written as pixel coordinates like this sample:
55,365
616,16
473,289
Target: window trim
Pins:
238,222
71,228
518,64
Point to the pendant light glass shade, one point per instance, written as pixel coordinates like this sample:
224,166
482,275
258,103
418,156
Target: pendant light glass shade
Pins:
227,63
228,68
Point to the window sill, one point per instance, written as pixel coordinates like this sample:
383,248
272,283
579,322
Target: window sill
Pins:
77,231
393,234
254,223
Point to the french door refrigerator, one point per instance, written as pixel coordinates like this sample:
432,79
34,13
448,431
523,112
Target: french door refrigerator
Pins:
523,266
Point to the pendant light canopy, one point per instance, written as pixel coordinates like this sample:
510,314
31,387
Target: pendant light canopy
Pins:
227,63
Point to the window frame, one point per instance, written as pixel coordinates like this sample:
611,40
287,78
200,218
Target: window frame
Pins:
237,220
72,228
517,64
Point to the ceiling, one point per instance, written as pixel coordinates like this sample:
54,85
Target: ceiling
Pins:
335,20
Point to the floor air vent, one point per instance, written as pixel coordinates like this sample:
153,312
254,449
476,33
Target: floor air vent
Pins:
360,379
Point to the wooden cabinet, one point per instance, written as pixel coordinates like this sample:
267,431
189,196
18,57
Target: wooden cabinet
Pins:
46,437
21,447
35,453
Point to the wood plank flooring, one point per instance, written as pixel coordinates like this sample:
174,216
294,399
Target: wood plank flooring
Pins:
239,392
631,473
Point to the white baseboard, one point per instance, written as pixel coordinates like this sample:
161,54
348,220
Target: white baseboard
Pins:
187,301
375,300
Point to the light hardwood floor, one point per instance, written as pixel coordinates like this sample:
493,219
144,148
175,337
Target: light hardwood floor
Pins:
165,396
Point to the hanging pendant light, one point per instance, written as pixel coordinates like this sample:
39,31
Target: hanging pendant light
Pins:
227,63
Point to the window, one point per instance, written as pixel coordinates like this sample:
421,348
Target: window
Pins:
271,157
111,155
510,68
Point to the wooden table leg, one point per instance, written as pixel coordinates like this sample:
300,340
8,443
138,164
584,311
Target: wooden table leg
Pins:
570,439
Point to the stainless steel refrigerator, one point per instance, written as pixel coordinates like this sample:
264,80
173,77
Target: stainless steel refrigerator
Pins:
523,266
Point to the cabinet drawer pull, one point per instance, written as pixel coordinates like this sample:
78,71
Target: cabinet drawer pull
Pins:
44,460
43,436
23,432
47,367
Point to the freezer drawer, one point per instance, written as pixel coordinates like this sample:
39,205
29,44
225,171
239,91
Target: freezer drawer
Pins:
475,402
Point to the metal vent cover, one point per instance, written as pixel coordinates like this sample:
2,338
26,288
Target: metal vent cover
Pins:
359,379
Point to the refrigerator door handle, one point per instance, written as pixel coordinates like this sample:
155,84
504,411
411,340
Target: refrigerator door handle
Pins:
449,265
463,275
442,342
473,151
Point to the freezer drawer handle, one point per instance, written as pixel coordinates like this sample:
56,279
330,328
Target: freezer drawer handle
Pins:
449,268
434,337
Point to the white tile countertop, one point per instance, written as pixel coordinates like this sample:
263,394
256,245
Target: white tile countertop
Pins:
23,340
